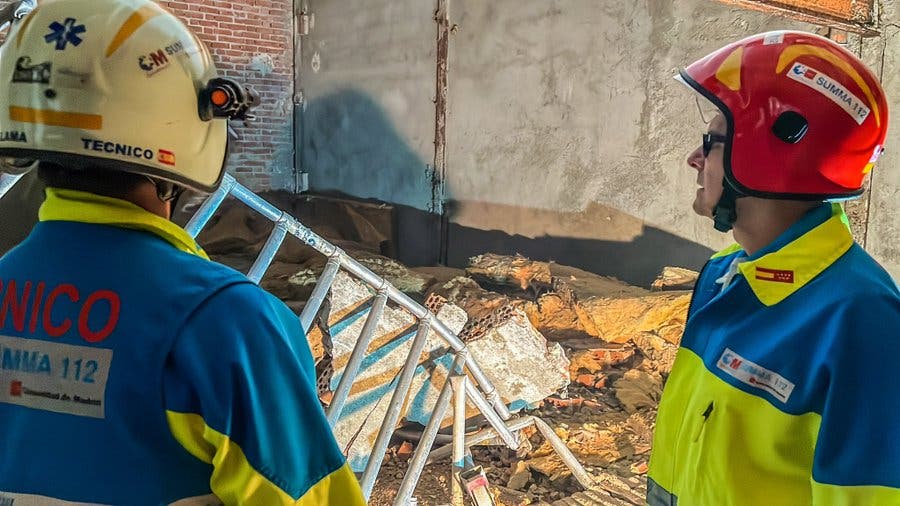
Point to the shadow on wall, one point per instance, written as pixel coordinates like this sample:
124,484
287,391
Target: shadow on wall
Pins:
351,149
349,145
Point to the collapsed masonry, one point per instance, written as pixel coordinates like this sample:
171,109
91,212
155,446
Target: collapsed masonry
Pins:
541,331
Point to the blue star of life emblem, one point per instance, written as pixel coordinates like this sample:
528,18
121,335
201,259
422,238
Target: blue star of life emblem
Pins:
65,33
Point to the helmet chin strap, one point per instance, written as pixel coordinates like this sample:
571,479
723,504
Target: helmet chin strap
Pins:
725,212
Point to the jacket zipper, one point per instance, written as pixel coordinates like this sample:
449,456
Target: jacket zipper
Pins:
687,322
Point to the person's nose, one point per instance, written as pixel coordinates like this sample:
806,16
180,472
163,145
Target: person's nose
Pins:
696,158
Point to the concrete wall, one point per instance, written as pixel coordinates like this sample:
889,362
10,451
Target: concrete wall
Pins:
367,76
566,135
883,237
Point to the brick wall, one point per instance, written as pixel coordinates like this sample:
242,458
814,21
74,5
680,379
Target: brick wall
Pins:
252,41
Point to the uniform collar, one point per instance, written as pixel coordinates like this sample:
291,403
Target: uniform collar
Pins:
83,207
798,255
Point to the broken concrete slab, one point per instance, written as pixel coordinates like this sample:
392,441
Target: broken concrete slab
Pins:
523,367
556,315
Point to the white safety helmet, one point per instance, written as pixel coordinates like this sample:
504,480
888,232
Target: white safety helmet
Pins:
118,85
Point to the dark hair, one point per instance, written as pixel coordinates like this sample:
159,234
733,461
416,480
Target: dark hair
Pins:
109,183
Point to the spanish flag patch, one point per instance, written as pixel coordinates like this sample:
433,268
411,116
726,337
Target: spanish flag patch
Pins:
166,157
776,275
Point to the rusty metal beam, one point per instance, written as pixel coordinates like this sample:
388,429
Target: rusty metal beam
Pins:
439,174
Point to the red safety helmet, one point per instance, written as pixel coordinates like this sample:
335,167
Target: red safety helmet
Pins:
806,118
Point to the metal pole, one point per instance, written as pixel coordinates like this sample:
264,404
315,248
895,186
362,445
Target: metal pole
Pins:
482,435
564,453
209,206
7,181
393,410
482,404
264,260
414,471
255,201
320,291
356,358
458,381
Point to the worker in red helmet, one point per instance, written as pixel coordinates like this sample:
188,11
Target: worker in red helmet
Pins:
782,391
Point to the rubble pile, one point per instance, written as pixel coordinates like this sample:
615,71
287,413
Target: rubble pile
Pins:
588,354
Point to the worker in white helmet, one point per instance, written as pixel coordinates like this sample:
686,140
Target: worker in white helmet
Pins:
133,370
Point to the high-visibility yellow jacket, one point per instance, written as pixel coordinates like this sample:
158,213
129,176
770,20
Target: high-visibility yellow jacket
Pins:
785,390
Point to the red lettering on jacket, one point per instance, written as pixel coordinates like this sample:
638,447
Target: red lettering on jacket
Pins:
18,307
54,330
114,304
34,309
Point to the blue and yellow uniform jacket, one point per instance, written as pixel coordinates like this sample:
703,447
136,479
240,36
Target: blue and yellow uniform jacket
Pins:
135,371
784,390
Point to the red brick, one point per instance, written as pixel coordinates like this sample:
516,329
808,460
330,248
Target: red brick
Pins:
235,32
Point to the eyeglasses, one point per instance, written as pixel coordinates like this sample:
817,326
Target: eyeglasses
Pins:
710,140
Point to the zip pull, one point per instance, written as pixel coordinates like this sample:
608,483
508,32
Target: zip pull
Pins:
700,425
708,411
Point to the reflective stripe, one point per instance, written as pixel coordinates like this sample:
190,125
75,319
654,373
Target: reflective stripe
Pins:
233,479
56,118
